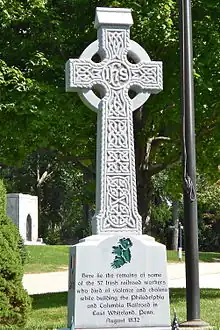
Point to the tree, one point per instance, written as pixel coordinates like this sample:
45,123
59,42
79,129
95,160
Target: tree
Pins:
39,114
14,300
64,194
208,214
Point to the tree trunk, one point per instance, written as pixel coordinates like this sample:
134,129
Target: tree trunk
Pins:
146,148
144,179
144,192
40,226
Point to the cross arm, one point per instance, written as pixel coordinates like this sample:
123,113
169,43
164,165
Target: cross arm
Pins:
148,76
81,74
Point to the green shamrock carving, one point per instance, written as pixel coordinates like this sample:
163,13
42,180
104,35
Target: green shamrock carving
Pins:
122,253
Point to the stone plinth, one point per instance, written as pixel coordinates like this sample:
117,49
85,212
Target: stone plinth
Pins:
118,282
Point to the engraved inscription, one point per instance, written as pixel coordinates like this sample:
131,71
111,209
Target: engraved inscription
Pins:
120,299
116,74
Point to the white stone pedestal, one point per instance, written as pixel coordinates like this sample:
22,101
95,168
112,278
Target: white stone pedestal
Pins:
134,295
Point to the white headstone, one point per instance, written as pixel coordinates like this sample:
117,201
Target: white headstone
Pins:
117,277
23,210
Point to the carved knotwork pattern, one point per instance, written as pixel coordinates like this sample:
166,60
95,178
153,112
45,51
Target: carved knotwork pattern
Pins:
118,199
115,75
117,134
118,104
86,73
147,75
118,162
117,204
115,43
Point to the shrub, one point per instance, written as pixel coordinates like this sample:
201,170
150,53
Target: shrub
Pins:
14,300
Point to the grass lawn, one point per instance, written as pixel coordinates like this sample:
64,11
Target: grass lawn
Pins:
49,310
46,258
53,258
172,256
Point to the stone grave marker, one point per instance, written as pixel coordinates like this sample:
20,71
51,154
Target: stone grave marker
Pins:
23,210
117,276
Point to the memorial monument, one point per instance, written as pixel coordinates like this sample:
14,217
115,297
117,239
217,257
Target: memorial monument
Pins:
23,210
117,276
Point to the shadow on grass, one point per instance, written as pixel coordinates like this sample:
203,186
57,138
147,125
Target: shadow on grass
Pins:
49,300
209,256
204,294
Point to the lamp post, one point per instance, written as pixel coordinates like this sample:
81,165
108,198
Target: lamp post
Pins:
189,169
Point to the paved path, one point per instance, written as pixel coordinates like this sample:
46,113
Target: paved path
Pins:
58,281
209,275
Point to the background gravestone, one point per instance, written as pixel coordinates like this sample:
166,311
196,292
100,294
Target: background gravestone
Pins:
117,277
23,210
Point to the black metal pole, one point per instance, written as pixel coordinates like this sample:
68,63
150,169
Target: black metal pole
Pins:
189,164
189,169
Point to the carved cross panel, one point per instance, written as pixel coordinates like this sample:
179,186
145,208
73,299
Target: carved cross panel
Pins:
124,66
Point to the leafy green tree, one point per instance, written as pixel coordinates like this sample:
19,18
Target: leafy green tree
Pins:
64,194
39,114
208,215
14,300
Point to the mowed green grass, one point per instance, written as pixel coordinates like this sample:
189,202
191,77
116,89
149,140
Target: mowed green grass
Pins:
49,311
172,256
209,305
53,258
46,258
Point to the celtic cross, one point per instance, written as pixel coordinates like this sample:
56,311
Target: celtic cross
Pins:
123,66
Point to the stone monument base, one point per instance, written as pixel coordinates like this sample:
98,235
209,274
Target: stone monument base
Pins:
33,243
118,281
39,241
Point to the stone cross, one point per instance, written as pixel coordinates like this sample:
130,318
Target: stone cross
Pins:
124,66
